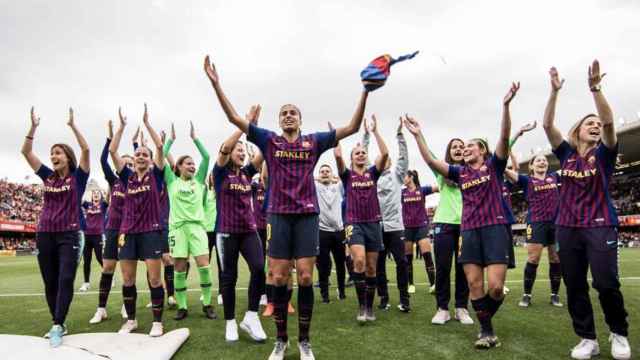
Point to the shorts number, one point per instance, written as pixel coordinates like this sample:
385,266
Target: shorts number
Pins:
121,240
529,232
268,232
348,232
172,241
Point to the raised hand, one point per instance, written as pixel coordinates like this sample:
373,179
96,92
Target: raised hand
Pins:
528,127
366,125
556,83
123,119
399,131
35,120
594,75
192,130
143,140
210,70
254,114
145,116
515,86
411,124
110,129
374,124
70,121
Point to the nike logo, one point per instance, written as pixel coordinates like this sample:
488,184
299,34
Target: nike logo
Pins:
610,243
571,160
76,247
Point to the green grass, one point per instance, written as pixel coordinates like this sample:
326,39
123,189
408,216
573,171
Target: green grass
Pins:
540,332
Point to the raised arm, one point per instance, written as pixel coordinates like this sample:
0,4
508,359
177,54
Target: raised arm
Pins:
232,115
27,145
366,135
525,128
381,160
203,168
502,148
159,156
356,119
229,144
439,166
403,154
104,157
340,165
553,133
113,148
82,142
609,138
167,155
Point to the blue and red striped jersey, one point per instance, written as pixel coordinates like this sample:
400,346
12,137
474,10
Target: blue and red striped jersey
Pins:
62,198
95,217
542,197
291,189
414,214
584,195
142,212
233,199
361,195
258,192
116,206
483,203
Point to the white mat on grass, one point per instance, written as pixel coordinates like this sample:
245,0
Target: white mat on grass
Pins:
94,346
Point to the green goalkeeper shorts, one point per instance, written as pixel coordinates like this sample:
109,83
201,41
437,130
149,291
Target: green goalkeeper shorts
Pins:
189,239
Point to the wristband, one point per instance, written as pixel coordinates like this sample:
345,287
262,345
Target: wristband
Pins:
29,137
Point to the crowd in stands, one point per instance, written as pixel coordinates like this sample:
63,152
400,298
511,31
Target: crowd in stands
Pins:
20,202
626,195
17,244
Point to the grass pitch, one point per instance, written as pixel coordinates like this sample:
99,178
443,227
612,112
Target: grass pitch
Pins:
539,332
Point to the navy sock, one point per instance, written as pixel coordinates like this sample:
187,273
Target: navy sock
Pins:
280,311
105,289
359,282
168,280
555,276
483,314
371,283
305,308
157,302
129,297
530,271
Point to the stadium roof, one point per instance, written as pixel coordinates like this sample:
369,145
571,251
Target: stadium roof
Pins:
629,148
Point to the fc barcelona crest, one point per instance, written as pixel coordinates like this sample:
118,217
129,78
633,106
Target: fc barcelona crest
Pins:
306,144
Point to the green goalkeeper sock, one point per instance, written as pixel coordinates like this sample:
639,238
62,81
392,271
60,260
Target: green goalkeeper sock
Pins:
205,285
180,282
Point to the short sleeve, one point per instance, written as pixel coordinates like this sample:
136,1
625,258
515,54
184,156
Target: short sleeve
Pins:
454,173
159,175
219,173
81,177
124,175
499,164
523,181
44,172
325,140
260,137
344,177
563,151
426,190
373,170
607,157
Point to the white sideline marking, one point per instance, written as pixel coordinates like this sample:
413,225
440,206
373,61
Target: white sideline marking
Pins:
630,278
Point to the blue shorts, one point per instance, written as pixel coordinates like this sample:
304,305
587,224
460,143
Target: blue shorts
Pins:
110,247
141,246
486,245
543,233
416,234
165,241
368,235
293,236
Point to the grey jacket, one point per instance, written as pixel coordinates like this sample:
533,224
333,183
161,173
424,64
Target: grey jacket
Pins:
390,186
330,202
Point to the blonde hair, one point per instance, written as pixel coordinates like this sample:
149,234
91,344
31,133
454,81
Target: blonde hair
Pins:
573,137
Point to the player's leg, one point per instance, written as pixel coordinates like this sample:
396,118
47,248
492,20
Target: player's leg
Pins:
86,261
48,263
198,248
371,280
154,270
128,267
337,249
444,244
534,250
68,256
396,247
251,250
555,274
168,269
180,281
408,251
425,251
228,248
381,274
324,265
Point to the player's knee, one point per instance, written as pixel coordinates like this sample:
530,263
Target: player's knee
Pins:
305,278
534,258
279,279
496,291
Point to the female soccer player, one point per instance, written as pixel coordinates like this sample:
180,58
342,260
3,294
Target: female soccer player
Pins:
485,217
112,228
414,216
293,207
187,233
390,199
95,214
140,232
541,192
59,238
586,222
363,216
236,232
330,195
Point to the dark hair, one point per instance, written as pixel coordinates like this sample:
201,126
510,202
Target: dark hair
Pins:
68,152
179,162
325,165
447,156
414,176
